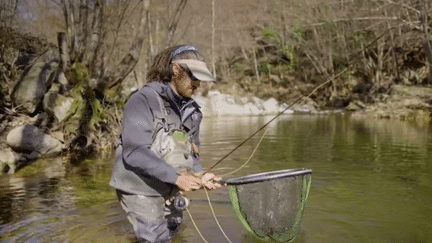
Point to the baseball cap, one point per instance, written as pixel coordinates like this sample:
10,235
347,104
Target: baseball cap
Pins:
198,68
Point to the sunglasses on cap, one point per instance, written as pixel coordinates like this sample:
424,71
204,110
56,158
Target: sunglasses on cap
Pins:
189,73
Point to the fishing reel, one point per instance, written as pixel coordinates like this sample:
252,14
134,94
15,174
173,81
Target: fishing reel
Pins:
179,202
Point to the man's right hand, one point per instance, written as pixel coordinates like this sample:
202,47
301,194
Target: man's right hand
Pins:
188,182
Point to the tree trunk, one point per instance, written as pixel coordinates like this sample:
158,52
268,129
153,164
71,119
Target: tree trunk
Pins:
128,63
150,39
74,28
82,30
67,19
173,25
213,38
63,50
95,42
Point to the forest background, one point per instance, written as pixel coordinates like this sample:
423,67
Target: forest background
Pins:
278,48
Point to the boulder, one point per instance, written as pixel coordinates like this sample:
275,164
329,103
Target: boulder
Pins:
244,100
258,103
216,104
29,138
32,85
253,109
7,160
271,106
352,107
56,105
284,106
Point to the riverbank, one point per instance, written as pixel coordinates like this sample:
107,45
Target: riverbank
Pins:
26,140
407,103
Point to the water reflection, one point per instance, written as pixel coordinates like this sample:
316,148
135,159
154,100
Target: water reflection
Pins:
371,181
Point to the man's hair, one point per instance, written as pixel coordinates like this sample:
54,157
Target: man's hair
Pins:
161,69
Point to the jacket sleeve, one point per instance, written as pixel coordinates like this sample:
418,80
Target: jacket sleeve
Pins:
137,133
197,117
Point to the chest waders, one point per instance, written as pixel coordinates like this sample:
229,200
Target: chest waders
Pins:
170,141
173,144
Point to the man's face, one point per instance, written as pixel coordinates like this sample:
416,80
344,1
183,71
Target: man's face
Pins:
182,82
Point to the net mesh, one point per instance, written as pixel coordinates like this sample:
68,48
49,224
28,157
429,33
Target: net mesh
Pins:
271,205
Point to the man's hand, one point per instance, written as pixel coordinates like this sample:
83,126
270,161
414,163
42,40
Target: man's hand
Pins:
188,182
209,180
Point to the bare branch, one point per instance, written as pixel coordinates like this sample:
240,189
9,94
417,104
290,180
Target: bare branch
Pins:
405,6
131,59
355,19
173,25
122,15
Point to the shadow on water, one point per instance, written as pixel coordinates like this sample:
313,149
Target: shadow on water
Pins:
371,181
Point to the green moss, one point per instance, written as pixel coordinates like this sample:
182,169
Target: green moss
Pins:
30,170
270,33
80,72
92,184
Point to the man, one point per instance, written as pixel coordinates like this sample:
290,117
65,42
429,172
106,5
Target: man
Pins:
158,152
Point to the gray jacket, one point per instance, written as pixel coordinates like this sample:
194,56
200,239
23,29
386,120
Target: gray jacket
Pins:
137,169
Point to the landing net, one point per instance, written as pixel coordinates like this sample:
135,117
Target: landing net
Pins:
270,205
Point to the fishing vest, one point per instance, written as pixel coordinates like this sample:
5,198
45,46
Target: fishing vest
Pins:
170,140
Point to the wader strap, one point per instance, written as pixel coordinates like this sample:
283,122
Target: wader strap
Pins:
160,115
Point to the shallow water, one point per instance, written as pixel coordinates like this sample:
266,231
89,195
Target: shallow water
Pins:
371,182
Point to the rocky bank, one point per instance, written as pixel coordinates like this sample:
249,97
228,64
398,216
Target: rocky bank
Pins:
41,102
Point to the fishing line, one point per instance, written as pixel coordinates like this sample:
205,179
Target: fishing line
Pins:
247,161
196,227
280,113
214,215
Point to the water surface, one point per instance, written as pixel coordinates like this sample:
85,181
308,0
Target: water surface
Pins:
371,182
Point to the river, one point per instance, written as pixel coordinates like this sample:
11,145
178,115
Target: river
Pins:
371,182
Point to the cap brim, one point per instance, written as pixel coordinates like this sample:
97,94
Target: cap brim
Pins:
198,68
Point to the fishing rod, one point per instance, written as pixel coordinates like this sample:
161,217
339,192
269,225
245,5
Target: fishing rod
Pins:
265,125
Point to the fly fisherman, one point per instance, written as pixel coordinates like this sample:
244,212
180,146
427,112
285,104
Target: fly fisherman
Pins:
158,152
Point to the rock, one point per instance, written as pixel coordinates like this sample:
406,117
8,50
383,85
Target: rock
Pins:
352,107
275,78
61,79
339,102
271,106
253,109
32,85
284,106
303,108
244,100
258,103
29,138
40,120
56,105
229,99
216,104
7,160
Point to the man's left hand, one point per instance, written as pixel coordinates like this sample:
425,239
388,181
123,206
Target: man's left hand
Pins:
210,180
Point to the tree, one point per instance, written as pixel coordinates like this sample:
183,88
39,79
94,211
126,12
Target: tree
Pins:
82,52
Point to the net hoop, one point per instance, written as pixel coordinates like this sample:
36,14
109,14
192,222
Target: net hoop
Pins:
266,176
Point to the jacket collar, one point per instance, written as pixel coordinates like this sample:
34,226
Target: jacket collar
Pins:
181,105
